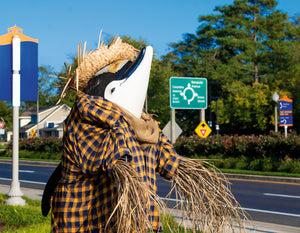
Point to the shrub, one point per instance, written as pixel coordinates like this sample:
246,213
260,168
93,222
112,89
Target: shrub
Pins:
230,163
273,145
50,144
267,165
285,165
296,167
242,164
256,165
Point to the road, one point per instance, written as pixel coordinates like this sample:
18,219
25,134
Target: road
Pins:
272,202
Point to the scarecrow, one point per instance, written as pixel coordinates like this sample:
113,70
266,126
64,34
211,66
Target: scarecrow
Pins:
113,149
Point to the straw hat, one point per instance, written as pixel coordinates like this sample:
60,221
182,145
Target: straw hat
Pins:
91,62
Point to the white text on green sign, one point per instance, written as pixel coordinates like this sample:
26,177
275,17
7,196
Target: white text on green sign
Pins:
188,93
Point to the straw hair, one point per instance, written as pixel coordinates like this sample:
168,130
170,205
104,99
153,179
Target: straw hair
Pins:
90,62
134,200
206,200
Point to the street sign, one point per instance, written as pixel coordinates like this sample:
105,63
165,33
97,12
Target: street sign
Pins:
32,133
167,130
285,111
2,131
203,130
188,93
28,69
2,125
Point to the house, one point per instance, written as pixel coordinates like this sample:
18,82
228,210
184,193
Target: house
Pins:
49,122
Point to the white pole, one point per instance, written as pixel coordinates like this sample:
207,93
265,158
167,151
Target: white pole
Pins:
173,137
285,131
276,124
202,114
15,194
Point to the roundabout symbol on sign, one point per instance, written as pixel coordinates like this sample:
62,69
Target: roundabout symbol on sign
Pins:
184,96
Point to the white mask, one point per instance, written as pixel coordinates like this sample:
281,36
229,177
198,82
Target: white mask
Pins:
130,91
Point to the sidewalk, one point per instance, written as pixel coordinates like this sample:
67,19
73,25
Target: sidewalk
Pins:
34,194
251,227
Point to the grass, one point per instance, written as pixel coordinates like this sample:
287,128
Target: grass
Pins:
29,218
23,219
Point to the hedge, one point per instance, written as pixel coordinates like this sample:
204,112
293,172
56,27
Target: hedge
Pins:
272,152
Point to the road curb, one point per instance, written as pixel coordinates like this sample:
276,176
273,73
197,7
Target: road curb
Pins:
263,178
32,162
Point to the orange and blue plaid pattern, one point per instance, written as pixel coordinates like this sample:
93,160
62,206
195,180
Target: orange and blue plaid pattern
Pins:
96,135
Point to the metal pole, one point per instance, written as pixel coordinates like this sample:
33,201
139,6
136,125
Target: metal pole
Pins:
276,123
202,114
37,116
285,131
217,116
173,138
15,193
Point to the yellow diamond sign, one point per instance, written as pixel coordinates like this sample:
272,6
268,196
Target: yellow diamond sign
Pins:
32,133
203,130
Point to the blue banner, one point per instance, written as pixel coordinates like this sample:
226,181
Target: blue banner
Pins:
285,111
29,66
28,72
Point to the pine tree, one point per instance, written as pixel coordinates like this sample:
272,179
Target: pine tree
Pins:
247,42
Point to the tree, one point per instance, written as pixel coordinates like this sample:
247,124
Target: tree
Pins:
247,109
47,91
6,114
158,91
246,43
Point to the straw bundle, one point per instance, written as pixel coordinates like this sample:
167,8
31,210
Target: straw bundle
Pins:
90,62
204,200
134,200
208,202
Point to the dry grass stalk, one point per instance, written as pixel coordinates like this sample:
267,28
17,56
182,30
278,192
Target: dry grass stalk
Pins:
208,202
89,62
134,200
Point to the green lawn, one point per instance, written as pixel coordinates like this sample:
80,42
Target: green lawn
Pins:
29,218
23,219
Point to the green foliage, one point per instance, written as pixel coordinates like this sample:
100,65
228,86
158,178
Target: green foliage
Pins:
30,215
243,43
37,148
39,144
272,152
6,114
247,108
158,91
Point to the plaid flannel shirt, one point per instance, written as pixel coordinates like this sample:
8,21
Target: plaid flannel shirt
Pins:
96,135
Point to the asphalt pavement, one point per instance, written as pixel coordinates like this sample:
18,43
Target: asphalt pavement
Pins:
251,226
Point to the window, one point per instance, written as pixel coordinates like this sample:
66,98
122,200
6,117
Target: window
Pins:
33,119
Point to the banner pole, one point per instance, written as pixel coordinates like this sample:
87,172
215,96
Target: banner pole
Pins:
15,194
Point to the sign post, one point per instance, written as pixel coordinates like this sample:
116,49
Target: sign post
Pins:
18,57
285,113
187,93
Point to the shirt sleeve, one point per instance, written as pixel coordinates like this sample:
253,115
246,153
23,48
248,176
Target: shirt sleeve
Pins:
167,159
94,139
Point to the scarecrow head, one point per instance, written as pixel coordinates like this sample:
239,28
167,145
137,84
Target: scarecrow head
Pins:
118,73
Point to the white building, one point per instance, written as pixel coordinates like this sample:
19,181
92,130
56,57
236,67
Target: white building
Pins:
47,124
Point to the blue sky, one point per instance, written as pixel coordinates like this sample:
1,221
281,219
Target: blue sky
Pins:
60,25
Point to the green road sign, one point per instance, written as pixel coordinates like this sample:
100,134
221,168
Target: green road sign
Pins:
188,93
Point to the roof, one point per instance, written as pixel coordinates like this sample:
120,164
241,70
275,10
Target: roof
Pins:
33,110
54,110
